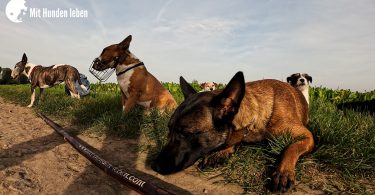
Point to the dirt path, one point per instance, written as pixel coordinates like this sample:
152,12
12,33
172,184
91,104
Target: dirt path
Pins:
36,160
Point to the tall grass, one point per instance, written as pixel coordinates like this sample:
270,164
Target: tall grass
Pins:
344,155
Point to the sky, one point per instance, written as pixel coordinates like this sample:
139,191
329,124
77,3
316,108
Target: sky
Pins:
207,40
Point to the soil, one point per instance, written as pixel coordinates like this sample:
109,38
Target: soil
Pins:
36,160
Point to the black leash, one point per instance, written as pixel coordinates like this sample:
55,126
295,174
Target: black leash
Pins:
130,180
126,70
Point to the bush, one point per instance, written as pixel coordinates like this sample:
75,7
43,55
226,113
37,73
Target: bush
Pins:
6,78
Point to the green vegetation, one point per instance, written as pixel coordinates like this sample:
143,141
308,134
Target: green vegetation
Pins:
340,95
343,160
5,77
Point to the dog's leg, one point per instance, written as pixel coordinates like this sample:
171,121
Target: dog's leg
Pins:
216,158
123,100
284,176
32,97
130,103
72,89
73,95
41,95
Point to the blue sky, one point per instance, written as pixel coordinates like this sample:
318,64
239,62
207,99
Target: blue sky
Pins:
208,40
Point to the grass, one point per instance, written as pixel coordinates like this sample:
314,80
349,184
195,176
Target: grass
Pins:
343,160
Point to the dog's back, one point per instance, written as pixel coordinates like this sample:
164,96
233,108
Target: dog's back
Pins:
57,73
268,101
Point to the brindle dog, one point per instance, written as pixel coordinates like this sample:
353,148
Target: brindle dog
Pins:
45,77
216,121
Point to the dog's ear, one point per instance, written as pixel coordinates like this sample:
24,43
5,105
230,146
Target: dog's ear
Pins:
227,103
24,59
186,88
202,85
289,79
126,42
215,84
309,78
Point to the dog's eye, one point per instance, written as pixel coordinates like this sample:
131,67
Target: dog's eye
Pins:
192,134
186,134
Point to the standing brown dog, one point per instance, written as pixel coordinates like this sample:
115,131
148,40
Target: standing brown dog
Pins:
138,86
217,121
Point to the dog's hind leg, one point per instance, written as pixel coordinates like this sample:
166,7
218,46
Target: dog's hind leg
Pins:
284,176
74,95
72,89
41,94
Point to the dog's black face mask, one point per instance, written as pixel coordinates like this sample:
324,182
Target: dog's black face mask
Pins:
199,126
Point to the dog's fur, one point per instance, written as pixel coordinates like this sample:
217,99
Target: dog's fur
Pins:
214,122
138,86
301,81
209,86
45,77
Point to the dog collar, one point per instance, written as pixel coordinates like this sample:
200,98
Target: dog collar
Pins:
131,67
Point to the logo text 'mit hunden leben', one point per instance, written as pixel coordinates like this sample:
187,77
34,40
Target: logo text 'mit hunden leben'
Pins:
57,13
16,11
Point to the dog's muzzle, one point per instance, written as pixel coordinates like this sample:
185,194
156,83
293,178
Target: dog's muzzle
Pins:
100,75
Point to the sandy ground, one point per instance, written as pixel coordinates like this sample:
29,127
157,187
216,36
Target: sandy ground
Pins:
36,160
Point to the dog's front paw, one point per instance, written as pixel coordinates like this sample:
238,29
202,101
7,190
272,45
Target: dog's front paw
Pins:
212,161
216,159
283,180
30,105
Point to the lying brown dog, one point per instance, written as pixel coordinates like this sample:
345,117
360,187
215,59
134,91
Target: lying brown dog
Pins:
138,86
217,121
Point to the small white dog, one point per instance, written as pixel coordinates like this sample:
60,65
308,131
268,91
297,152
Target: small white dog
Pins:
301,81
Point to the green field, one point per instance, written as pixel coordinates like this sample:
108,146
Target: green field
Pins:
343,160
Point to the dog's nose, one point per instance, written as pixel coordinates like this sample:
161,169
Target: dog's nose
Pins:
211,89
302,80
155,167
96,61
